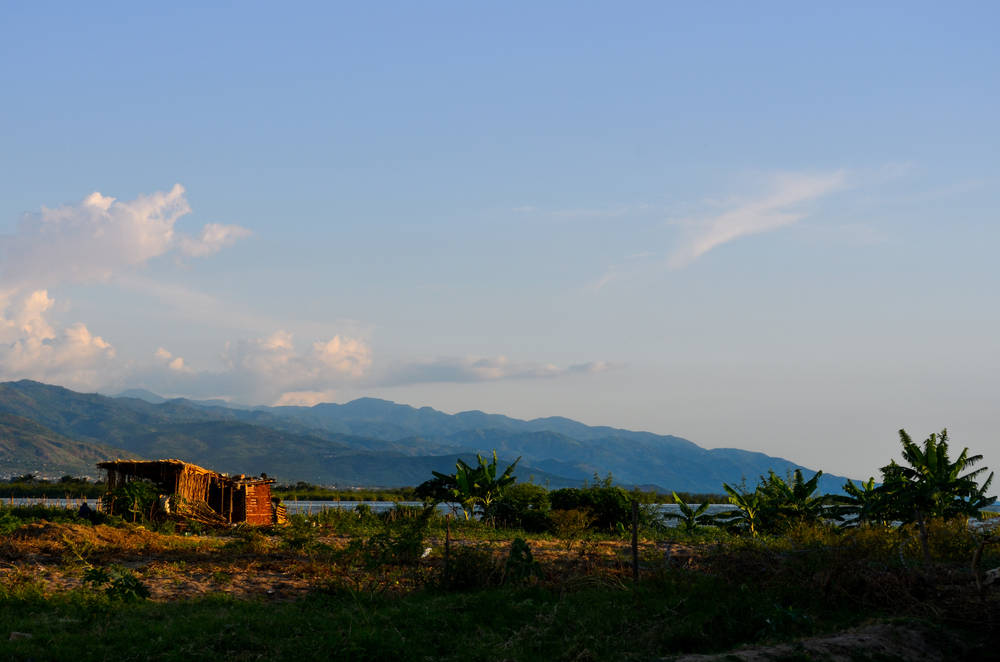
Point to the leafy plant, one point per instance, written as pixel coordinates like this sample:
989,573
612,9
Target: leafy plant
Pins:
402,546
609,505
118,583
784,502
747,514
137,498
690,517
931,485
469,486
522,505
521,565
862,505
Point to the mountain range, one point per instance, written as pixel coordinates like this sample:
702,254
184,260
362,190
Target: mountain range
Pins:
368,442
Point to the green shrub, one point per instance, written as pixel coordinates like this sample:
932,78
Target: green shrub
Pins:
522,506
118,583
609,505
521,565
472,567
570,524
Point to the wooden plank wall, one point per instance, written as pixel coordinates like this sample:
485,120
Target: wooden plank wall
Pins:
258,504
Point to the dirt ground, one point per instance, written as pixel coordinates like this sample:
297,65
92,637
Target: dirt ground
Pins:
179,567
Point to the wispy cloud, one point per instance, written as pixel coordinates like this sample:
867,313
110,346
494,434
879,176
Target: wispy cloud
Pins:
779,208
275,370
480,369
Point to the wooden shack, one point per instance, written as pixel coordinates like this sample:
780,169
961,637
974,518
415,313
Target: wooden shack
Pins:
196,491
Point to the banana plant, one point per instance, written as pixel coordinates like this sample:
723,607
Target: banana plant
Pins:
794,500
690,517
471,486
747,514
864,504
930,484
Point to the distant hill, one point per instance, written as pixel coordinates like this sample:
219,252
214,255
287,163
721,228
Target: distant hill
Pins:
377,442
27,447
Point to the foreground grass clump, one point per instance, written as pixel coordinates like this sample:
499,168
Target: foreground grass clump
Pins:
605,619
307,592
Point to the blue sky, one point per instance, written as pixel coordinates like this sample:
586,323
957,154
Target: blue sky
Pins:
770,227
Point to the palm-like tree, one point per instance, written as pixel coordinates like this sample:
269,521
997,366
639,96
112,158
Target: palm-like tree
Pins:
470,486
793,501
930,484
690,517
747,514
865,504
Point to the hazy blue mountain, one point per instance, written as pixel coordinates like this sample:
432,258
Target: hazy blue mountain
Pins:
141,394
554,445
27,447
378,442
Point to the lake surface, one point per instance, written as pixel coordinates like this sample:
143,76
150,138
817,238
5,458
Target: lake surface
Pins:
315,507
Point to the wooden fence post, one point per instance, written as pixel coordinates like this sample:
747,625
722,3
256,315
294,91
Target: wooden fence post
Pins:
635,541
447,546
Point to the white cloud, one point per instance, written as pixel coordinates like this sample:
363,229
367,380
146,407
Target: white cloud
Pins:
480,369
31,348
174,363
101,236
91,241
775,210
213,238
305,398
273,370
266,368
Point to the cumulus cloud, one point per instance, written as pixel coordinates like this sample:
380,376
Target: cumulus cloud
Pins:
305,398
268,370
90,241
480,369
775,210
276,370
213,238
174,363
31,348
272,367
100,236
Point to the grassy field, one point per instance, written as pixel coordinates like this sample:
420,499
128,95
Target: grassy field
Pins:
362,586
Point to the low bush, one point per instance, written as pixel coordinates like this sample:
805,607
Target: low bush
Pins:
522,506
472,567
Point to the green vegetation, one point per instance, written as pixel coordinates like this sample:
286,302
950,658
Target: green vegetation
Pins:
690,518
469,486
543,575
303,491
28,485
375,594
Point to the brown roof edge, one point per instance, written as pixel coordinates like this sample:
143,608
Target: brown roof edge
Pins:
126,464
135,464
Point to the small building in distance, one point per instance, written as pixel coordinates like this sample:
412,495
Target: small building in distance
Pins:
198,493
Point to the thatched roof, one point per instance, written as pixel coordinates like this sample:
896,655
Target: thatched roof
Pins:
175,476
142,466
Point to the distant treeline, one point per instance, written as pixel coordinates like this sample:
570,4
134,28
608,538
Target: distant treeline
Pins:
303,491
30,485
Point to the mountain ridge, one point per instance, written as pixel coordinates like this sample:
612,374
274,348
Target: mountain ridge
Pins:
376,438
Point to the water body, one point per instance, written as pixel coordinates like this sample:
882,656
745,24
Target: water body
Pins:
316,507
